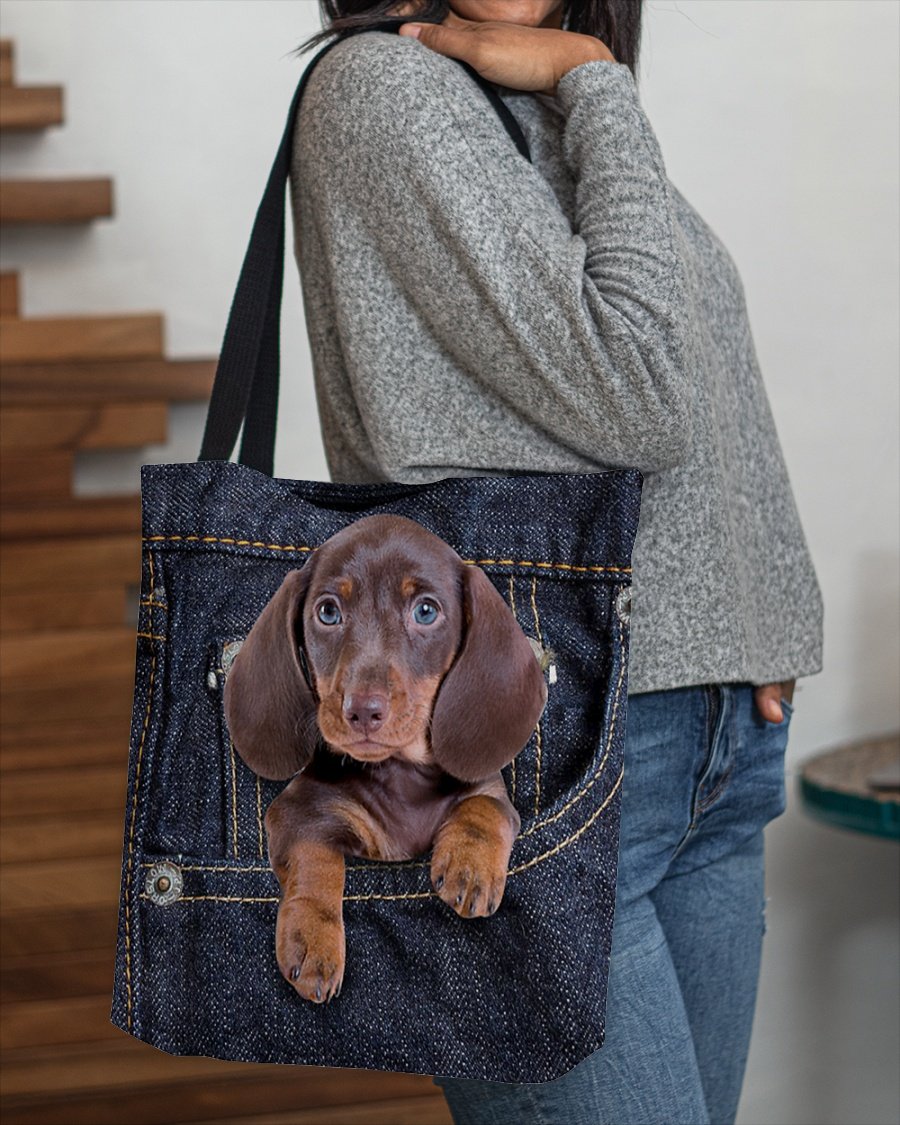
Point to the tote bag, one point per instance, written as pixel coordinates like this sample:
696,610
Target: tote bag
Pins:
515,996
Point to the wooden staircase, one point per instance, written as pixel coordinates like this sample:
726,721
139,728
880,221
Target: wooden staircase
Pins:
69,571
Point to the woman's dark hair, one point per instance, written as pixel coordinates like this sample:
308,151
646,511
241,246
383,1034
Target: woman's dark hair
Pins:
616,22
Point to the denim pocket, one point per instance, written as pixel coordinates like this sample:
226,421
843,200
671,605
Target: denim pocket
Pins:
581,640
769,770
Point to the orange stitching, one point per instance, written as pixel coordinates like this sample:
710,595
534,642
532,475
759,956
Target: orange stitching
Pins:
275,898
559,565
152,636
234,817
211,867
235,542
512,604
250,868
259,821
218,898
134,800
537,768
150,601
590,820
475,562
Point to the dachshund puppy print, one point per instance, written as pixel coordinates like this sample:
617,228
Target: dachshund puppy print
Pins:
390,682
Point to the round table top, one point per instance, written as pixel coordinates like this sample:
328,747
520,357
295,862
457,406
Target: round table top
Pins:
856,785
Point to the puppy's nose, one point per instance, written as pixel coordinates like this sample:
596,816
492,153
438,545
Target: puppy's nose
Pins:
365,712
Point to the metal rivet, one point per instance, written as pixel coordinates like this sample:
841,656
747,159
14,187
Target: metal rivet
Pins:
164,883
545,656
623,604
212,680
229,651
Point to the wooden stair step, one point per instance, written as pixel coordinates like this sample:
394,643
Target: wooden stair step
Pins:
111,425
9,294
430,1109
80,339
140,1107
61,884
47,745
86,972
69,831
73,516
6,62
116,1063
30,793
171,380
76,1019
30,107
106,701
35,611
68,200
118,1068
49,932
54,659
35,478
40,564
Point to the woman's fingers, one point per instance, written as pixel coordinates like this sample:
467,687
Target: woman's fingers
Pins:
768,699
768,702
513,55
453,37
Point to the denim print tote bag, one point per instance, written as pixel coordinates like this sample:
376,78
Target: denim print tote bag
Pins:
517,994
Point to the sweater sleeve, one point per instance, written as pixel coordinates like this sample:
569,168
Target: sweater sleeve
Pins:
581,332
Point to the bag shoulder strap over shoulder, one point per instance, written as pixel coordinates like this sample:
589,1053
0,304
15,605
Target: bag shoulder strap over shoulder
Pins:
245,389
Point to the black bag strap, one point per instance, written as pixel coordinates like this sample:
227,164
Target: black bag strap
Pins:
246,383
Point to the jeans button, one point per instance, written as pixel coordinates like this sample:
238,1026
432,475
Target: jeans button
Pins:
229,651
164,883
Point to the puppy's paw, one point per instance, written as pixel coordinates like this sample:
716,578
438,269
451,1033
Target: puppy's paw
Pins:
310,948
469,874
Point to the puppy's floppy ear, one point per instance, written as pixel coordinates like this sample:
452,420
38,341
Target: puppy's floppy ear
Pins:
269,708
493,694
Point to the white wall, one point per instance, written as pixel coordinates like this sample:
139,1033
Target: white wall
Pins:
778,119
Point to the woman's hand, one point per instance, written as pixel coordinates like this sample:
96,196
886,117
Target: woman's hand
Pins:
510,54
768,699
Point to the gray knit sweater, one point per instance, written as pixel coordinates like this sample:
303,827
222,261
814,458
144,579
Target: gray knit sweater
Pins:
470,313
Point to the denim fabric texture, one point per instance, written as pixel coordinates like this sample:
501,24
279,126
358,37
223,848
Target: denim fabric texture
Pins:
704,775
518,996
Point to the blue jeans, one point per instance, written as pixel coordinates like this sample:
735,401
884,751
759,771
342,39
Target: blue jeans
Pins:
704,773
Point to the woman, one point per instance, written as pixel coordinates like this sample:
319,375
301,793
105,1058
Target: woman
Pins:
574,315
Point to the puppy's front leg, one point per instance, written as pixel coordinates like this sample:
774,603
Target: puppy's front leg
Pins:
472,849
310,945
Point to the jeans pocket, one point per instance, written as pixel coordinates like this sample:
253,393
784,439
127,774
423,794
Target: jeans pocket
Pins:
770,764
787,710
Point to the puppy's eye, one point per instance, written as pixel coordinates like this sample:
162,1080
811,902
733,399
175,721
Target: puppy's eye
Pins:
425,613
328,613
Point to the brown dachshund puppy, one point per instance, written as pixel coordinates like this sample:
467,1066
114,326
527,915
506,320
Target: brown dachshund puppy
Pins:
396,679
